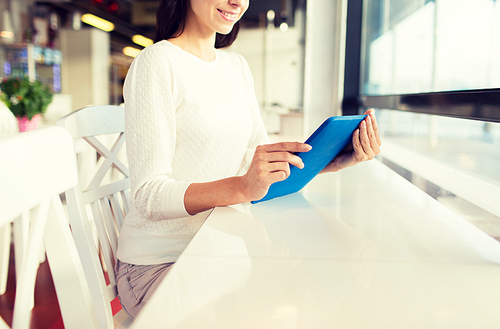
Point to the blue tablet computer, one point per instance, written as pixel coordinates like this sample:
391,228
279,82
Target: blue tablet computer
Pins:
327,141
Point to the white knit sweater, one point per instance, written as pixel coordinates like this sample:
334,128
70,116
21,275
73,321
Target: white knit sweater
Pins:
186,120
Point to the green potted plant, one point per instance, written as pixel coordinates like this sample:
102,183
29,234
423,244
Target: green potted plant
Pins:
26,99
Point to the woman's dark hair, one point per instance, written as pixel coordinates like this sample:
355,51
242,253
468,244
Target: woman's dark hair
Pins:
171,20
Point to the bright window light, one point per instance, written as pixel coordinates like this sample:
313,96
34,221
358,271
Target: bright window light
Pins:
142,40
131,51
98,22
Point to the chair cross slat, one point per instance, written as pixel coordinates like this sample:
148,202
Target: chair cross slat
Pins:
109,153
110,159
126,201
109,224
117,212
99,193
108,256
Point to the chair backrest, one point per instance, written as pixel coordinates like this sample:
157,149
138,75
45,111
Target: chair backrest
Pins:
100,204
35,168
8,122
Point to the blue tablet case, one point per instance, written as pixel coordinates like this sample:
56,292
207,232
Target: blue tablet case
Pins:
327,141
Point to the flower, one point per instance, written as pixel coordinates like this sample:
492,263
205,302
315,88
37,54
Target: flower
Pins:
24,97
14,100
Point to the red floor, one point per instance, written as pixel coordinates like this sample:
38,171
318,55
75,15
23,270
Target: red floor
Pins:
46,314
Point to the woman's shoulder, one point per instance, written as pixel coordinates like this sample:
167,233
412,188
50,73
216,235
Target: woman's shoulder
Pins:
232,56
160,49
236,59
157,57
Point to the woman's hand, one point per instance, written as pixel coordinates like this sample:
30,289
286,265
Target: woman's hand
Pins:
270,164
365,145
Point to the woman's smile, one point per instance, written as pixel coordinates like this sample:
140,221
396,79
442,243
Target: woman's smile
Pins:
229,16
216,15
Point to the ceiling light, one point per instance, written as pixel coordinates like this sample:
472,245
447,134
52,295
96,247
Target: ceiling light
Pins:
76,21
131,51
7,31
98,22
141,40
7,34
271,15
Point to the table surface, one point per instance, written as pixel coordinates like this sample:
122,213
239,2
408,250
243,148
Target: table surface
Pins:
362,248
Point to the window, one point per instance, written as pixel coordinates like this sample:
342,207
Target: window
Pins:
416,46
432,72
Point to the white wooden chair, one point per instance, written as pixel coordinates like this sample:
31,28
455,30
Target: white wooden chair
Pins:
108,203
35,167
8,127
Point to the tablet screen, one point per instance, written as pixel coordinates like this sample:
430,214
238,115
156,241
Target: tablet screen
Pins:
334,134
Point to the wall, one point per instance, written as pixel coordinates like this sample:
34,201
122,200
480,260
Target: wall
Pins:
85,69
274,58
310,79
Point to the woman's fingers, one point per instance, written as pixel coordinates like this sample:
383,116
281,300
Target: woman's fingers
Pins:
365,141
365,145
284,157
373,119
275,171
281,152
284,146
270,164
357,153
372,136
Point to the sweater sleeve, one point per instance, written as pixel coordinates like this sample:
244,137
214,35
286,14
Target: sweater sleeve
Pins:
150,127
259,133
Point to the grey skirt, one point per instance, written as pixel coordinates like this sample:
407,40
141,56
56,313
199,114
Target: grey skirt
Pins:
137,283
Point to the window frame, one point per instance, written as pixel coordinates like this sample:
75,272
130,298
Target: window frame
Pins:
475,104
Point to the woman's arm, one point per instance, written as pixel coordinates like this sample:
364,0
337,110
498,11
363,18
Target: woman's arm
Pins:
150,128
365,145
270,163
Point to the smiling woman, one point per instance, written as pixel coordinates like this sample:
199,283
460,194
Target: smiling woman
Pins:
196,140
172,19
216,15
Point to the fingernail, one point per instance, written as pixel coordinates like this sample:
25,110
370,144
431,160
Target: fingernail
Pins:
368,119
306,147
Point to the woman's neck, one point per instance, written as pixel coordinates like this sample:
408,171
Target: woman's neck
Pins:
201,47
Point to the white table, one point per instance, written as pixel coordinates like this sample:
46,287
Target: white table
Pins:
362,248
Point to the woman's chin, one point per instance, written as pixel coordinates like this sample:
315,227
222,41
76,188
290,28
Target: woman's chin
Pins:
226,29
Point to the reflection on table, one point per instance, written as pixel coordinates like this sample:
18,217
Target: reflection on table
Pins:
362,248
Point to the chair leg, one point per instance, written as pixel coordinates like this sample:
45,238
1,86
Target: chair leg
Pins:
5,239
21,229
